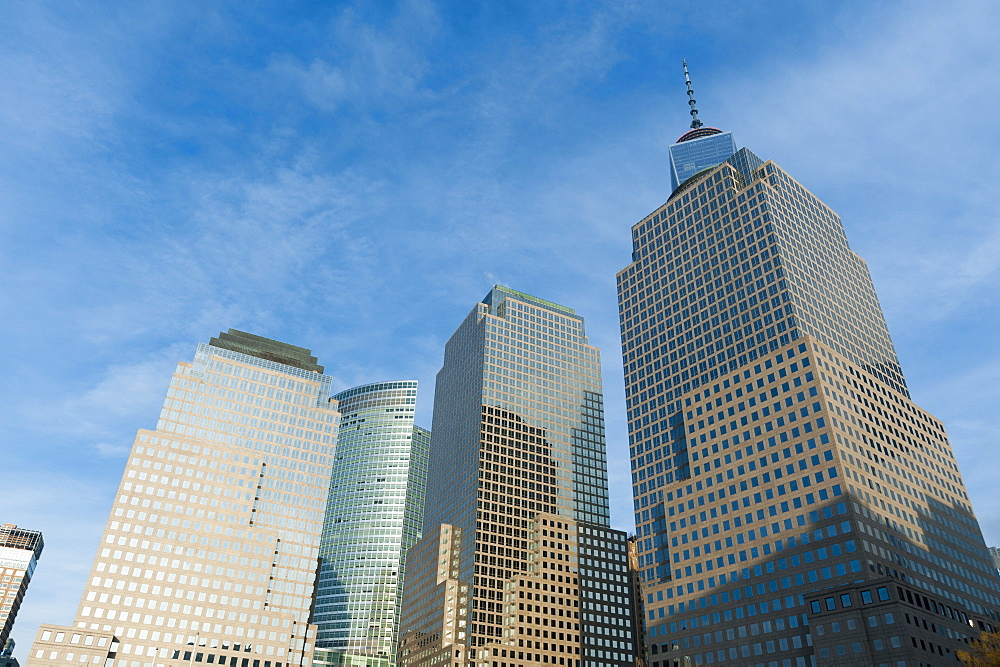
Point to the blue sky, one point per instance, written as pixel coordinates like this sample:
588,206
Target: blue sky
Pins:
353,178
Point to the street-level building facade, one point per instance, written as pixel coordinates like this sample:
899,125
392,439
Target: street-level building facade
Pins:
793,505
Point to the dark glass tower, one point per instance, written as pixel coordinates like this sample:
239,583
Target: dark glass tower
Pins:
793,506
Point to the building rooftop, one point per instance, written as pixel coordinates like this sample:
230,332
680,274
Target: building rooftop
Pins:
21,538
266,348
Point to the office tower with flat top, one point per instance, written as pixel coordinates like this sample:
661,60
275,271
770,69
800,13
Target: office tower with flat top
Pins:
20,550
210,552
374,515
793,505
518,564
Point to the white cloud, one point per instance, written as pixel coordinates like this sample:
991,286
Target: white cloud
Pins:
110,451
365,65
125,396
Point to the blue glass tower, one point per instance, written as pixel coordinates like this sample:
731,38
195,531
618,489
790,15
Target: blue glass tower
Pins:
698,149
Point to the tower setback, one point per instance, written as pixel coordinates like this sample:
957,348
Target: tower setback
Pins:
518,565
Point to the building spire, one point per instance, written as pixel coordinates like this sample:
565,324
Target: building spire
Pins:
695,121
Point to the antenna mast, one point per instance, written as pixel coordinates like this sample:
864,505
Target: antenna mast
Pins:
695,121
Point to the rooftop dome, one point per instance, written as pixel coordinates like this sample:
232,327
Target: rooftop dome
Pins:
698,133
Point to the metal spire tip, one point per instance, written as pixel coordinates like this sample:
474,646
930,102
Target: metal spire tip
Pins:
695,121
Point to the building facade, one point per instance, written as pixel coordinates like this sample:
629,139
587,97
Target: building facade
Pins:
793,506
373,516
20,550
211,549
518,565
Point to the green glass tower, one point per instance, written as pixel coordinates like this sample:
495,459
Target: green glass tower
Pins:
374,515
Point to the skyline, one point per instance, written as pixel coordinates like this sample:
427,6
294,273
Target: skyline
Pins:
175,169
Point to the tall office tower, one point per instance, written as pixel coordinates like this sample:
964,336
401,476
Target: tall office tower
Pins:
793,506
374,515
211,550
20,549
517,565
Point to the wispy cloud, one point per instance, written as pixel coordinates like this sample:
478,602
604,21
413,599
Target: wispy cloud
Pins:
895,110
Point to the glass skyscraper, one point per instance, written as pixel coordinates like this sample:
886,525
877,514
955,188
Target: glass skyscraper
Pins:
211,548
374,515
699,149
793,506
518,565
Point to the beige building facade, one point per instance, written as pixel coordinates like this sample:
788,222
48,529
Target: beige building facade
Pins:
210,550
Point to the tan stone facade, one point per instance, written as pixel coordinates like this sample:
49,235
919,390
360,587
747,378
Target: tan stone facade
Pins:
436,603
210,551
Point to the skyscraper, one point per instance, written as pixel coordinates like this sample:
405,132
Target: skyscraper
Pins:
374,515
20,550
518,565
211,549
793,505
